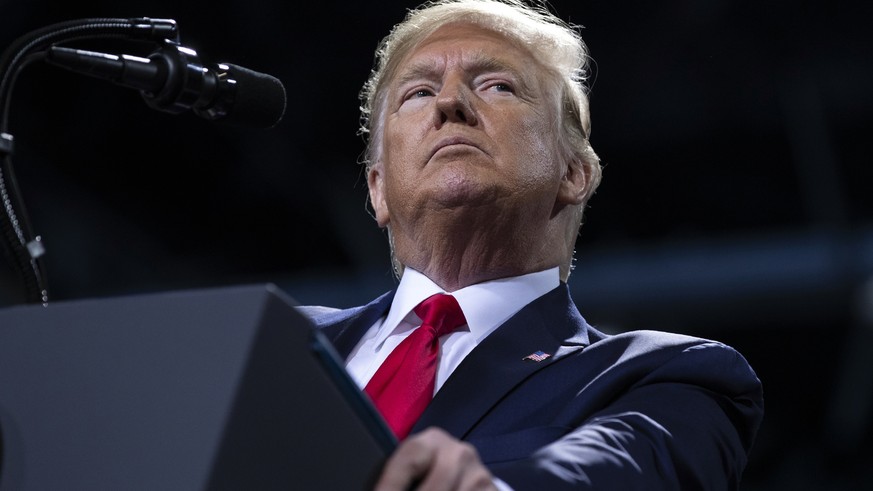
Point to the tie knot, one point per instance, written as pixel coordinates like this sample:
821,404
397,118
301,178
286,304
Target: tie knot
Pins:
441,312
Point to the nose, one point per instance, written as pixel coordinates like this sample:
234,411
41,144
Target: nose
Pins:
454,105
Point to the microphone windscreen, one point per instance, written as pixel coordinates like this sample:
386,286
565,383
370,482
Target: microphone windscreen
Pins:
259,100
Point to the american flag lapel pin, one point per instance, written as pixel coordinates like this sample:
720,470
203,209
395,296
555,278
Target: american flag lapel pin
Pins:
536,356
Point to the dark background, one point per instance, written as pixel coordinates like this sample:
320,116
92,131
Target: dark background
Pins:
736,202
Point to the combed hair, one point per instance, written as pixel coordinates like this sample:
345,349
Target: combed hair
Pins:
556,44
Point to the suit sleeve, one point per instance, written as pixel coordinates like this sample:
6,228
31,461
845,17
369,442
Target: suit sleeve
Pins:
684,423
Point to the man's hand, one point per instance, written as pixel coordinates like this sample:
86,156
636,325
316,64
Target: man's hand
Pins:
438,462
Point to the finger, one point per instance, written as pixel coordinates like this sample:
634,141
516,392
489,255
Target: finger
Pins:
455,466
408,464
476,478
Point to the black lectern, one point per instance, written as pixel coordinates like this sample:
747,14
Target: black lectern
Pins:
215,389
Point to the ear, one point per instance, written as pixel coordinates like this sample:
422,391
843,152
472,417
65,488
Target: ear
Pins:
574,184
376,184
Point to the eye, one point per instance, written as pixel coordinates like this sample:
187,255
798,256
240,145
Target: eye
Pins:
498,86
419,93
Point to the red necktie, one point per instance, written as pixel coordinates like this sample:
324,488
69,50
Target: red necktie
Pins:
403,386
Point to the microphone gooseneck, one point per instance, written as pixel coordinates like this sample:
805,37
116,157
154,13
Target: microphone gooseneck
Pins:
24,248
172,79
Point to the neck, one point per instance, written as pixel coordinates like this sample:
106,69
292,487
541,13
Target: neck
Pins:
467,250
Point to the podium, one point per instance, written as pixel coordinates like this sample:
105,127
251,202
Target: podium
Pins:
227,388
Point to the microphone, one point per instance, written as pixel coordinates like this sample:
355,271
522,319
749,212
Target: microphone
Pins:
174,80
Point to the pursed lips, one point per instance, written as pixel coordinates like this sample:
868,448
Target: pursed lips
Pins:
453,141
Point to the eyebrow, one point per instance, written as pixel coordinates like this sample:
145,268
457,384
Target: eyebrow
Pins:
476,63
417,71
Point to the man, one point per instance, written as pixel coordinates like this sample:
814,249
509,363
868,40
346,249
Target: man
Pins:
479,167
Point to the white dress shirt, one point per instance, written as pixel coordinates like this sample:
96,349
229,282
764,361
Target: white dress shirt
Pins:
485,305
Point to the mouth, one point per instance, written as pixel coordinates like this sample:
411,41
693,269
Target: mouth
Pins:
453,142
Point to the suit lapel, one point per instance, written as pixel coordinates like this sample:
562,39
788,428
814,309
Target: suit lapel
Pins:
345,332
550,324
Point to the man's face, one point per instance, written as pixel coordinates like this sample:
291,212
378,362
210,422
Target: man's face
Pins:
468,125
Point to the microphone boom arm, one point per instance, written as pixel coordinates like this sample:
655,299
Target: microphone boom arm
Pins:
25,249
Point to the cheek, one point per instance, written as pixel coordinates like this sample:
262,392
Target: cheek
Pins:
401,139
399,145
534,142
393,149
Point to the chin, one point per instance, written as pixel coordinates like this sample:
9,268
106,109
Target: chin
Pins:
460,184
462,193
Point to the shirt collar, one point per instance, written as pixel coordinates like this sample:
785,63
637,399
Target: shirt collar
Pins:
485,305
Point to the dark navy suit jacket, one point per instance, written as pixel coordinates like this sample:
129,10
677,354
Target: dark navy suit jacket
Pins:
640,410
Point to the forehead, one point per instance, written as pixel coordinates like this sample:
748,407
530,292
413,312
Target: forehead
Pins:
469,45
